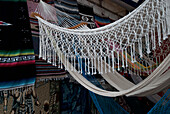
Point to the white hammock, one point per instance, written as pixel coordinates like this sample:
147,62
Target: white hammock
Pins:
142,27
156,82
67,44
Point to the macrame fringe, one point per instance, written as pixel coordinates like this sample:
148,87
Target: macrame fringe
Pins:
16,89
110,45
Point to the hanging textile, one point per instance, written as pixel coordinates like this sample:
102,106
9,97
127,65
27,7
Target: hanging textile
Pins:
54,101
44,70
131,34
163,106
54,15
17,60
151,85
73,99
100,45
86,15
133,3
68,6
101,21
4,23
103,104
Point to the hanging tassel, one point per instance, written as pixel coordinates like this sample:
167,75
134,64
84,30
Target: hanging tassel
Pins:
118,60
40,46
123,65
65,62
85,66
108,57
74,63
81,65
61,61
98,65
88,66
126,57
92,65
159,29
113,61
53,57
159,34
72,59
131,54
134,53
164,30
109,63
101,65
50,55
140,47
105,64
95,67
147,43
78,65
44,52
152,39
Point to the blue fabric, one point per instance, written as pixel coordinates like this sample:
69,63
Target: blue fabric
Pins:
17,83
74,98
105,105
162,106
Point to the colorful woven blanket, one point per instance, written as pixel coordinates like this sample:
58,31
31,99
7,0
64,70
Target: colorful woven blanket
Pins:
17,60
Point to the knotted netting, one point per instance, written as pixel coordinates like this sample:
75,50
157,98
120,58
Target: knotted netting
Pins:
55,16
139,31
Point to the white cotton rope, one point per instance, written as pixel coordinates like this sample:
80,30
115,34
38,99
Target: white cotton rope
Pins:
112,38
107,43
154,83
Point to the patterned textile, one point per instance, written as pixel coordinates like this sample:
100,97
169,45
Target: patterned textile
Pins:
101,21
74,99
55,97
133,3
69,7
44,70
4,23
17,60
32,5
87,15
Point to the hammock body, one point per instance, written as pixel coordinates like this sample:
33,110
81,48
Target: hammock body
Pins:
141,28
151,85
101,48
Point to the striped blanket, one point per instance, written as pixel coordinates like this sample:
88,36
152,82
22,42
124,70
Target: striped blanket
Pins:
17,60
44,70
